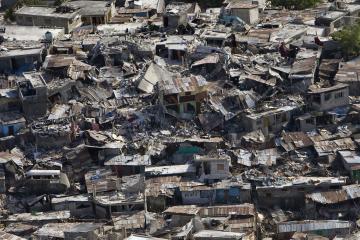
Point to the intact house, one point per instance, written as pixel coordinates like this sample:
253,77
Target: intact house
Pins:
9,100
128,165
310,121
326,205
351,163
224,192
174,48
182,97
157,6
33,95
271,120
176,14
11,123
291,195
18,60
330,20
212,168
348,73
215,38
46,181
165,191
323,99
48,17
240,218
93,12
248,12
80,206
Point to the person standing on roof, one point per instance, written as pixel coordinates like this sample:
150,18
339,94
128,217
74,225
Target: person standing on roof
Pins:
318,41
284,51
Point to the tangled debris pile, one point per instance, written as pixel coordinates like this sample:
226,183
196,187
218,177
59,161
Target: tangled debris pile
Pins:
161,120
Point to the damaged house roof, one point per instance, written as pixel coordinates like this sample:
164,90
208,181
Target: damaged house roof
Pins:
312,225
38,217
350,192
155,119
324,148
232,103
170,170
129,220
183,210
153,75
179,85
135,160
226,210
295,140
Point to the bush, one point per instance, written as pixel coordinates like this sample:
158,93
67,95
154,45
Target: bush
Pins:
349,39
9,15
59,2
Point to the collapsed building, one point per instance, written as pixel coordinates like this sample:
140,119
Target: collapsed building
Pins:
178,120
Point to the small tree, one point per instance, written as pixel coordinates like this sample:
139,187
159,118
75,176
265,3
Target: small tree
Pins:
349,39
9,14
59,2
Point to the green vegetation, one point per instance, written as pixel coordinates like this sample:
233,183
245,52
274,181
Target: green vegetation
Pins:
10,13
349,39
21,3
59,2
295,4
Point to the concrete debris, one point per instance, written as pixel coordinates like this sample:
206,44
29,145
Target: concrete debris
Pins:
167,119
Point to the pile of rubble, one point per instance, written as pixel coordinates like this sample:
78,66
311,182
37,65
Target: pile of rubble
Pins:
161,120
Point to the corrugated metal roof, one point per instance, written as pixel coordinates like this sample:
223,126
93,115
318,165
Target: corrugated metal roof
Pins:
312,225
324,147
295,140
331,197
179,85
182,210
226,210
129,220
8,236
102,180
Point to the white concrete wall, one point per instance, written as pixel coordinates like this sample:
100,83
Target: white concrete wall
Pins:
250,16
334,100
215,173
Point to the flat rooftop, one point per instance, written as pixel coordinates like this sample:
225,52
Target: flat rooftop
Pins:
37,33
45,12
90,8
